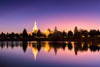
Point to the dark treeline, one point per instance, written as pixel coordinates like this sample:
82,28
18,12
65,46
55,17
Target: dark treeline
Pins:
82,35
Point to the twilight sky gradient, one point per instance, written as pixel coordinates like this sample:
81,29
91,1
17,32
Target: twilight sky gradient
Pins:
15,15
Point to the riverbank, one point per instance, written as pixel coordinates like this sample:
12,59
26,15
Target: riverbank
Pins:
96,39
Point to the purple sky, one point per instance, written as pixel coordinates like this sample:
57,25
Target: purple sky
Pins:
15,15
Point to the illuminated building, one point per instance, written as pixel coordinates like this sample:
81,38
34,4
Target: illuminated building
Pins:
35,29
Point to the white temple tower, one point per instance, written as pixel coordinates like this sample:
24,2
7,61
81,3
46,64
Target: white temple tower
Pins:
35,29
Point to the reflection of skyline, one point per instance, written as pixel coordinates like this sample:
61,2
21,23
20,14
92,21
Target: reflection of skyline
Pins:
49,46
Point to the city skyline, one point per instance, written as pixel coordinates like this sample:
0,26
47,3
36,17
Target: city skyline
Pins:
35,29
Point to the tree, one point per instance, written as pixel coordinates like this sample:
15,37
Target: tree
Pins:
93,33
85,33
24,34
56,36
39,33
17,36
3,36
7,35
55,30
47,32
64,34
75,30
78,35
70,33
33,34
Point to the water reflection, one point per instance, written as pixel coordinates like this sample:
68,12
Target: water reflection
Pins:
47,47
55,46
24,45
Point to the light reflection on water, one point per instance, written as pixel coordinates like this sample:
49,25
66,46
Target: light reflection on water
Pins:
46,53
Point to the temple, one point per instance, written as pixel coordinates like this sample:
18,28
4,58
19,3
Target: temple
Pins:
35,29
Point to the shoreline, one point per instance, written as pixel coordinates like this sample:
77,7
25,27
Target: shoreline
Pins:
94,39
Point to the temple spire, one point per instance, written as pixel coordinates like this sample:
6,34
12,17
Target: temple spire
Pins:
35,29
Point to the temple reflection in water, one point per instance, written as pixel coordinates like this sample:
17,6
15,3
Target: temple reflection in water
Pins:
50,45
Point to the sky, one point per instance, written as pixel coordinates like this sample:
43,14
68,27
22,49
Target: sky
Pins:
15,15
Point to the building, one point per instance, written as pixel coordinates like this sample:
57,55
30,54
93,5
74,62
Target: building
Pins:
35,29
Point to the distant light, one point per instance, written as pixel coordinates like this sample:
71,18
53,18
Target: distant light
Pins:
47,32
35,29
83,36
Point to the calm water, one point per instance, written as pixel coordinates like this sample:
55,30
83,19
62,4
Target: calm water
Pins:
49,54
